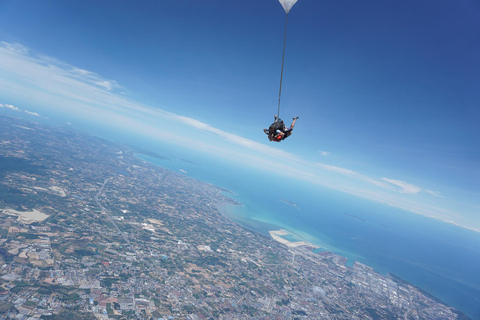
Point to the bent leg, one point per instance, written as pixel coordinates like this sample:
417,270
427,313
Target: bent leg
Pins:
293,123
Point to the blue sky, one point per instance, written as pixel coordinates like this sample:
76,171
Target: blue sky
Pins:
387,92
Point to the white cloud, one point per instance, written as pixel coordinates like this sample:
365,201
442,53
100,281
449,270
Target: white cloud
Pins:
9,106
15,48
93,78
59,68
85,92
57,85
434,193
32,113
384,183
405,187
355,175
344,171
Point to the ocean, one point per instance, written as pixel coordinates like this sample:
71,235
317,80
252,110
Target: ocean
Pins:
439,258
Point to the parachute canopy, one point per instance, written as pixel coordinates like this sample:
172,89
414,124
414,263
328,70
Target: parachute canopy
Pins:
287,4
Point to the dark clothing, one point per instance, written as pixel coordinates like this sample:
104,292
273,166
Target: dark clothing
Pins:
277,125
278,131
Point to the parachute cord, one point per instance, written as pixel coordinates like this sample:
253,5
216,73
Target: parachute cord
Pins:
281,74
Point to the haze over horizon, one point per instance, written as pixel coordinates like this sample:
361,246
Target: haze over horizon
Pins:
387,94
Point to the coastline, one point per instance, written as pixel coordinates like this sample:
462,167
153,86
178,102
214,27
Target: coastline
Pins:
277,236
279,232
232,209
223,210
233,212
258,220
398,279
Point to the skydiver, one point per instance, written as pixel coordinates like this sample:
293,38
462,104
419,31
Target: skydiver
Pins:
278,131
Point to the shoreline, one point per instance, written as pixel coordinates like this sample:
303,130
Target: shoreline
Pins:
398,279
229,218
227,209
277,236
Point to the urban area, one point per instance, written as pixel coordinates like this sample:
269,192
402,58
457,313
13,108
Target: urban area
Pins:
90,231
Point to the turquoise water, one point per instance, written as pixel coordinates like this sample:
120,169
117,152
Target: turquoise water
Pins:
442,259
439,258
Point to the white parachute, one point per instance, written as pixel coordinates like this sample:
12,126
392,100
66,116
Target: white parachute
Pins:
287,4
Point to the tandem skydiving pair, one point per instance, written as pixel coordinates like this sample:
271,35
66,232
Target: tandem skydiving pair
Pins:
278,131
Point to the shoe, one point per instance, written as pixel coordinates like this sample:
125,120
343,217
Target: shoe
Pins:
295,118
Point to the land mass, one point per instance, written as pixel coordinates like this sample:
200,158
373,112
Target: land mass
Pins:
149,153
355,217
120,238
289,203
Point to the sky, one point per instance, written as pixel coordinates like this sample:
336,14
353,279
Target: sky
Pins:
386,91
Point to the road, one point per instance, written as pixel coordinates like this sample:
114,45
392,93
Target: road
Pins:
108,214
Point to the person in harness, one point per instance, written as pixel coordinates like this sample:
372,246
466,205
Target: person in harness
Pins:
278,131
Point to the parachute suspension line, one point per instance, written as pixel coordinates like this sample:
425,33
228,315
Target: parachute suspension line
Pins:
283,59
